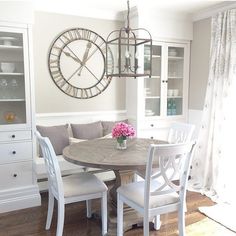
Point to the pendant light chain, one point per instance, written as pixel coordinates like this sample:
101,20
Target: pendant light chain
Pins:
128,28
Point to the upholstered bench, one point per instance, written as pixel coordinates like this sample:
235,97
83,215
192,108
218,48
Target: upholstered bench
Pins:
64,135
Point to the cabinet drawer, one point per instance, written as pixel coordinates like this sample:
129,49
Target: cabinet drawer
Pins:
12,152
159,134
16,175
15,135
150,125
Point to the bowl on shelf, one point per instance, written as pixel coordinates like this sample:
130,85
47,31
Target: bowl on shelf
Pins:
7,67
172,52
8,41
149,113
9,116
175,92
170,92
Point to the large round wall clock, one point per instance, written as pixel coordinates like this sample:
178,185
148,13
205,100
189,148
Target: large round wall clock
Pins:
76,63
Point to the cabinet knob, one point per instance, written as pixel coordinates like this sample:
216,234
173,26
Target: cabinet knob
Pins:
13,136
14,152
152,125
14,175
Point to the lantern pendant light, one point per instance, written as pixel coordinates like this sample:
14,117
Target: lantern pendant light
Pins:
125,46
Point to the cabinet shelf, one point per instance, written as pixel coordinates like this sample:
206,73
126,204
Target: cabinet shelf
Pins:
171,97
10,47
154,77
12,100
152,97
11,74
175,58
175,77
153,56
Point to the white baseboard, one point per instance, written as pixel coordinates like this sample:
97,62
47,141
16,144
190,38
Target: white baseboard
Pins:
19,198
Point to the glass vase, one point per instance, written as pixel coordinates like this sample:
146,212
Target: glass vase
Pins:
121,143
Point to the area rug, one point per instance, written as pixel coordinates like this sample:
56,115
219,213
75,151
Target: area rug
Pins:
207,227
222,213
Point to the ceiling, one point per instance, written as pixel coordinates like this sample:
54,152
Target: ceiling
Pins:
190,6
114,7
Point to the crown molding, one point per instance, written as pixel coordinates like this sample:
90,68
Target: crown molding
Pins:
211,11
89,12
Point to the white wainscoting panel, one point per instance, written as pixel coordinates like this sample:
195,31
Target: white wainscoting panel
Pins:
78,117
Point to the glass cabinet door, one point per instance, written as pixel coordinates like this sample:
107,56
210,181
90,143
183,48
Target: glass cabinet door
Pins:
12,79
175,81
152,86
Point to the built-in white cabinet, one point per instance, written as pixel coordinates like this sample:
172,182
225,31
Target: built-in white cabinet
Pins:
18,186
153,103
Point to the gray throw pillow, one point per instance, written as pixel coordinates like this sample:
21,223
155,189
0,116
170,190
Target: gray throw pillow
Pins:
58,136
87,131
108,125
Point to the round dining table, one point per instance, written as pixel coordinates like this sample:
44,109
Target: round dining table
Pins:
103,154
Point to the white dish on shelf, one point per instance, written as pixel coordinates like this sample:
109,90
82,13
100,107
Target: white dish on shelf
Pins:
172,52
175,92
7,67
8,40
149,114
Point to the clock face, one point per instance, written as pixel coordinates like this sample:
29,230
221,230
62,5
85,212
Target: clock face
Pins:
76,63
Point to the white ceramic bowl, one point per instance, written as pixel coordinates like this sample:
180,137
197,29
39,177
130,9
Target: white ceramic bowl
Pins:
172,52
170,92
175,92
7,67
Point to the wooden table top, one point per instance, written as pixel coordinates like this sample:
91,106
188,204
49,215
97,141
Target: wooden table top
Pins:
102,153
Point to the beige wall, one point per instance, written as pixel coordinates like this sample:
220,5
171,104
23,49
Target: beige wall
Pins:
48,97
199,66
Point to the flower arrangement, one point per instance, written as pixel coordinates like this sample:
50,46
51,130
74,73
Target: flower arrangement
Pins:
122,130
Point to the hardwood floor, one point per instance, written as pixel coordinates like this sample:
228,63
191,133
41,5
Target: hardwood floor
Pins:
32,221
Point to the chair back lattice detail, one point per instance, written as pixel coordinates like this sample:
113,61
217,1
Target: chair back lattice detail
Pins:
180,133
55,183
174,164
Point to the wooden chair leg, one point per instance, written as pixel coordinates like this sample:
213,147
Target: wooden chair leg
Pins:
50,210
88,207
119,216
104,213
60,218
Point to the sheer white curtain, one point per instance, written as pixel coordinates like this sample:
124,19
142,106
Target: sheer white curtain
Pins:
214,163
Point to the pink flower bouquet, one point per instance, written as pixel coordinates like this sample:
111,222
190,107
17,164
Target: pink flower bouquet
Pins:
122,130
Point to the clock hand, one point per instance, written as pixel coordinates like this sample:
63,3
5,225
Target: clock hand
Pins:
74,58
81,64
77,60
92,53
89,45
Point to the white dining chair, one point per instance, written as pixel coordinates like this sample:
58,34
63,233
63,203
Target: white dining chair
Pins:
178,133
73,188
159,194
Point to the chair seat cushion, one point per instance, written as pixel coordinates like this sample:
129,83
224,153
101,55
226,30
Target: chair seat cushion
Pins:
135,192
82,184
